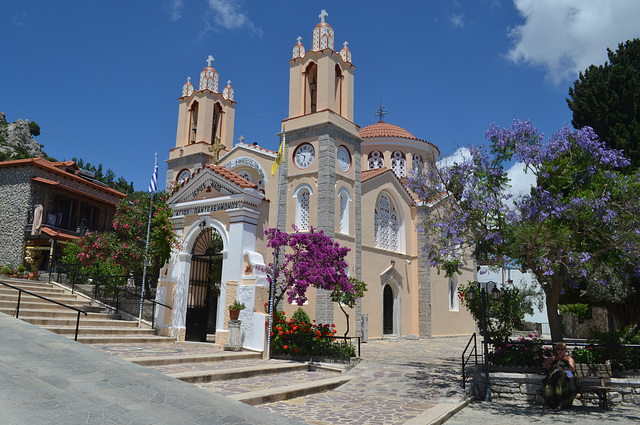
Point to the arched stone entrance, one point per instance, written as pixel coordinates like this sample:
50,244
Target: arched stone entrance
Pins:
204,285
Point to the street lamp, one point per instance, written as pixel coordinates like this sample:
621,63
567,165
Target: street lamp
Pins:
485,289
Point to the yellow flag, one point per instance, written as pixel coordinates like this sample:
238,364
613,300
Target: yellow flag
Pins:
280,155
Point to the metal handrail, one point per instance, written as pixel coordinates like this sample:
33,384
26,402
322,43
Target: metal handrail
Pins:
474,350
97,281
20,291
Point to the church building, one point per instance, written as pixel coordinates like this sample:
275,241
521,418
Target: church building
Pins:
350,182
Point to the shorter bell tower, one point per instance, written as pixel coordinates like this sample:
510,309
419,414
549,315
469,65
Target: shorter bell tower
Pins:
205,124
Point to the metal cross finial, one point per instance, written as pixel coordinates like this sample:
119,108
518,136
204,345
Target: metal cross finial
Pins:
323,15
210,60
345,44
381,112
241,139
228,82
216,148
299,39
188,79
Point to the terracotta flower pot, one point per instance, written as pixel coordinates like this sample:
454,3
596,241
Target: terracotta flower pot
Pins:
234,314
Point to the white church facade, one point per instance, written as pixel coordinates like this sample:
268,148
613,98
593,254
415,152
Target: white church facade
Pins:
350,182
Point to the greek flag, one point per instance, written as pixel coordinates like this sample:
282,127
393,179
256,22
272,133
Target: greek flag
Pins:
153,185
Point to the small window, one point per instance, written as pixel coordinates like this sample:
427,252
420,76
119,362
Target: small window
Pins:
376,160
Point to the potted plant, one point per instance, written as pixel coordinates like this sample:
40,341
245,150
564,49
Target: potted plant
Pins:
234,310
21,271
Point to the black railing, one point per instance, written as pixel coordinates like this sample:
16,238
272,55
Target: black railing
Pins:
108,289
20,291
465,360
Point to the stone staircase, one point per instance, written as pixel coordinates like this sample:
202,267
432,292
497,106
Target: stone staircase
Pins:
97,327
246,377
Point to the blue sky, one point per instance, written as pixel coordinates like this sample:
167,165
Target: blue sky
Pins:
102,79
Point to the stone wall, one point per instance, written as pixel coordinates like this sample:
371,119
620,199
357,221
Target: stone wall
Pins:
521,387
15,203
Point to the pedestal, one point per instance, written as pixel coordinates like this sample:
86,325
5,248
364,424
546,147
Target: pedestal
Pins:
234,340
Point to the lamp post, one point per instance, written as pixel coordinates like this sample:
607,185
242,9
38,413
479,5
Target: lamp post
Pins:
485,289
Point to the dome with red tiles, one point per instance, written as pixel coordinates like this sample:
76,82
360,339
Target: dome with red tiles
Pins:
383,129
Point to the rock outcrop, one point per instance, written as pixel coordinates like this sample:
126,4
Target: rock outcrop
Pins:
17,135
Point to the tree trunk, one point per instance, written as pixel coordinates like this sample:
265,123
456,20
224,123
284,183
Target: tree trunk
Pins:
552,300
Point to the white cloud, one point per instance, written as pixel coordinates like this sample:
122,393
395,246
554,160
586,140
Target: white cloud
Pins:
457,20
174,8
227,14
521,182
459,156
566,36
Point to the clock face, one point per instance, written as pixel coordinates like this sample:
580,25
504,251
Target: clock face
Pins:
344,159
184,174
304,155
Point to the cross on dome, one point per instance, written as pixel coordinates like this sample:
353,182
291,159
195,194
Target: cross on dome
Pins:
210,60
228,82
381,112
323,15
189,79
299,39
345,43
241,139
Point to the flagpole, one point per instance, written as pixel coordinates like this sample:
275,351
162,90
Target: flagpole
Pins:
153,187
272,287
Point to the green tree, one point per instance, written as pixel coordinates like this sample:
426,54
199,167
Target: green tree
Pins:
607,98
34,129
348,299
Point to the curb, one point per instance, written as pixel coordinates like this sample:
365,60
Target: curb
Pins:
439,414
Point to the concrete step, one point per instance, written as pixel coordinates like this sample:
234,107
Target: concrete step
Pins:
84,322
288,392
194,358
237,373
100,331
39,305
49,289
104,340
63,313
60,297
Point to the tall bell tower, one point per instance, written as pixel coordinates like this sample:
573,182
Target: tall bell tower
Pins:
205,124
323,184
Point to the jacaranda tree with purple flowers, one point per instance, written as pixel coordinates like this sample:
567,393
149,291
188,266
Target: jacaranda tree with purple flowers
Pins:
310,259
580,212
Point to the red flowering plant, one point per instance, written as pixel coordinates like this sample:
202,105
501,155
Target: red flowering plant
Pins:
300,336
525,351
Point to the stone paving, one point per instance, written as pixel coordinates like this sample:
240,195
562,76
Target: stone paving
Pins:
396,380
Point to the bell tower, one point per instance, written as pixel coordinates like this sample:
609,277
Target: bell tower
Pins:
205,124
323,184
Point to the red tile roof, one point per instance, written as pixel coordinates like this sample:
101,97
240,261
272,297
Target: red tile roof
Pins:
369,174
232,177
383,130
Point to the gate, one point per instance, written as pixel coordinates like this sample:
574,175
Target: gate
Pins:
204,285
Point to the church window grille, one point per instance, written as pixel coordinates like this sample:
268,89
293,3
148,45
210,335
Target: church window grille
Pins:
302,194
376,160
399,164
418,164
245,175
344,211
387,225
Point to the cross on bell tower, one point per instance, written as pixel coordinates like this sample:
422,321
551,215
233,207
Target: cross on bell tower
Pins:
323,15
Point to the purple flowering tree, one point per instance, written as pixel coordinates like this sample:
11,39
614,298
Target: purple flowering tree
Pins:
580,212
310,259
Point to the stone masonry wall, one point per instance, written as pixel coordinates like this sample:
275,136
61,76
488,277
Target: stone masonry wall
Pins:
521,387
15,203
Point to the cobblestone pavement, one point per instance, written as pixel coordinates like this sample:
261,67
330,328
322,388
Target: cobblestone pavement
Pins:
498,413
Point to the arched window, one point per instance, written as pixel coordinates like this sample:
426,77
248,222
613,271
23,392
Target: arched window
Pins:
376,160
302,195
399,164
215,125
311,94
344,211
418,163
193,122
386,224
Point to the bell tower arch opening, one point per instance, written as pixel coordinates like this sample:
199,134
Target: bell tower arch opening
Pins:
311,93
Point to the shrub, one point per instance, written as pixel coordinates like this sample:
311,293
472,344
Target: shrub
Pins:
522,352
